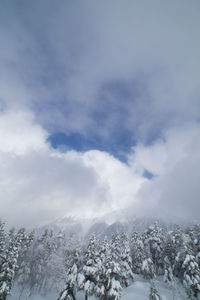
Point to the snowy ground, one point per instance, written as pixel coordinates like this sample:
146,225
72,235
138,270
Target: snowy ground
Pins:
139,290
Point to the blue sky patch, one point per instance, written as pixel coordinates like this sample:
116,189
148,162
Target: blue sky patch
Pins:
119,145
148,174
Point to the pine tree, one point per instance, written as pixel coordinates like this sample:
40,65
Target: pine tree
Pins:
126,261
114,274
59,262
90,269
2,241
69,292
4,290
169,277
181,249
138,253
49,248
154,238
9,265
104,257
168,274
24,262
148,269
191,277
41,272
153,294
169,249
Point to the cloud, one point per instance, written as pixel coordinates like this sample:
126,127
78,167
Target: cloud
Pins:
39,184
112,72
19,134
123,182
175,160
62,65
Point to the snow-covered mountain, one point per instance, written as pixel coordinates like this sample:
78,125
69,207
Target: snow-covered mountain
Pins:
84,228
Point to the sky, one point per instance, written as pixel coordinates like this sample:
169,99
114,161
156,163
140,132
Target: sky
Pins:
99,110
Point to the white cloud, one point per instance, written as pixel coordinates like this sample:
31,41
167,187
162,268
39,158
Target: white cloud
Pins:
19,133
123,183
174,191
38,184
52,73
161,156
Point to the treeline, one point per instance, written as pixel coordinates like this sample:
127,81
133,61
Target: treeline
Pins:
39,263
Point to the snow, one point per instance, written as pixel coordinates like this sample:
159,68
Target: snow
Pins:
3,287
138,290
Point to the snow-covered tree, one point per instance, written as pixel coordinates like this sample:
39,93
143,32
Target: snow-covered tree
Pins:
2,243
169,249
191,277
148,269
115,288
24,260
168,273
126,261
138,253
59,262
153,294
3,285
114,272
90,269
169,277
9,264
181,248
69,292
154,238
104,257
2,240
41,270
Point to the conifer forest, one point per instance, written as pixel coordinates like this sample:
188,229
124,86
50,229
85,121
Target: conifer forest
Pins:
98,266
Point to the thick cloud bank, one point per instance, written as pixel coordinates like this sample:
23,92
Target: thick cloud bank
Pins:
39,184
175,162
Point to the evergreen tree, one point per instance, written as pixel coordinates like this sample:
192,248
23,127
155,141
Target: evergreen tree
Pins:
138,253
24,260
169,248
181,249
191,278
114,274
148,269
9,264
41,271
153,294
4,290
59,263
2,241
102,283
126,261
90,269
69,292
168,274
154,237
169,277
